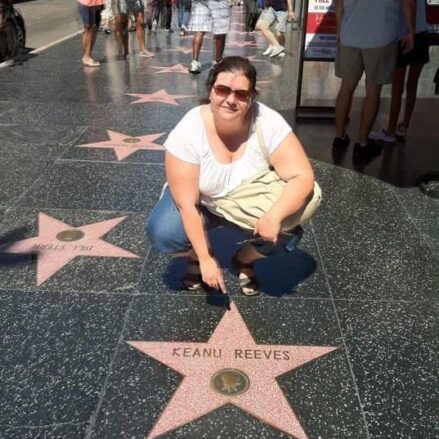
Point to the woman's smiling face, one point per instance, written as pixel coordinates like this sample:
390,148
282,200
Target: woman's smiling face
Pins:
231,97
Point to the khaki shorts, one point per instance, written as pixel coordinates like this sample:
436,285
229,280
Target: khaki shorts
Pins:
378,63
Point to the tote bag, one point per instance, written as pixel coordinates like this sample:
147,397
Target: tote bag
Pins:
255,197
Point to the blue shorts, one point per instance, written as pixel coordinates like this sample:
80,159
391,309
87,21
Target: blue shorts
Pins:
90,15
166,233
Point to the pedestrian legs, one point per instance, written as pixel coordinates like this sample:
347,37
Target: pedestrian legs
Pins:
369,111
220,42
415,71
197,42
343,106
121,34
88,40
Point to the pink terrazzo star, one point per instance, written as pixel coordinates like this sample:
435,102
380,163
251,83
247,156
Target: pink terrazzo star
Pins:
190,36
125,145
254,59
229,369
243,44
185,50
263,83
178,68
161,96
58,243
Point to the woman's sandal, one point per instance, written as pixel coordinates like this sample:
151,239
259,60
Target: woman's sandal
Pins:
248,285
192,280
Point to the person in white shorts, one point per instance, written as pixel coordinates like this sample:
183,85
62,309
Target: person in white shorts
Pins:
208,16
276,13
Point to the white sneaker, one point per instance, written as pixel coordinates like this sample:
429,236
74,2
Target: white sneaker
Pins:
281,55
276,51
195,66
381,136
268,50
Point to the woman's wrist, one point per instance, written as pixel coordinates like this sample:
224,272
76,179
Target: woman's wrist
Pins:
274,215
204,257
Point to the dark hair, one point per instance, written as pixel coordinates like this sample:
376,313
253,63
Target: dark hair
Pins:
236,64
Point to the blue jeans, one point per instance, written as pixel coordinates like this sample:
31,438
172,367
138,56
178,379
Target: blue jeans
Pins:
166,233
183,16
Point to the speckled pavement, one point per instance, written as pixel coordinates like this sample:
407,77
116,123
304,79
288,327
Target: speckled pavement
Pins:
97,338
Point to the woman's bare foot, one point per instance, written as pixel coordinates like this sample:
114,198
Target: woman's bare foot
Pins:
147,54
90,62
242,263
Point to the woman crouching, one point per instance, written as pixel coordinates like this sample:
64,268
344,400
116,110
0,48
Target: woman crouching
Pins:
214,150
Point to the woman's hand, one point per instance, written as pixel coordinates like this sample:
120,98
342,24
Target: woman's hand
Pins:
268,228
212,274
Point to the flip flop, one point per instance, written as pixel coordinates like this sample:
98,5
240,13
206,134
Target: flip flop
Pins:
248,285
192,280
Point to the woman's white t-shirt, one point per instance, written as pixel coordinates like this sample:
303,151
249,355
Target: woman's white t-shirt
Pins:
188,142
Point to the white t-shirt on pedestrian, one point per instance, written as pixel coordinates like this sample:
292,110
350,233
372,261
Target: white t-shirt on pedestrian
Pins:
188,142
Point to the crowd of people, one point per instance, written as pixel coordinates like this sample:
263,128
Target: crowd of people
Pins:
233,140
196,16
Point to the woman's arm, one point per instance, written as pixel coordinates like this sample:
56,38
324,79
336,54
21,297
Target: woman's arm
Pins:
183,180
292,165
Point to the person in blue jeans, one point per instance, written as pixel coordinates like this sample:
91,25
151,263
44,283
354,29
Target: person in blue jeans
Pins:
211,152
252,13
184,13
161,11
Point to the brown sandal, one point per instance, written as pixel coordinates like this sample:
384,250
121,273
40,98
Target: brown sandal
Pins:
248,285
192,280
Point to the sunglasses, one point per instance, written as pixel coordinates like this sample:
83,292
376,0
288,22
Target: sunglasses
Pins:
240,94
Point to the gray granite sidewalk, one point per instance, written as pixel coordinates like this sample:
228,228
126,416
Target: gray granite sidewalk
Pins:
362,287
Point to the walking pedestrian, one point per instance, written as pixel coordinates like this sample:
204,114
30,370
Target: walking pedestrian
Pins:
208,16
90,12
184,12
121,11
276,13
